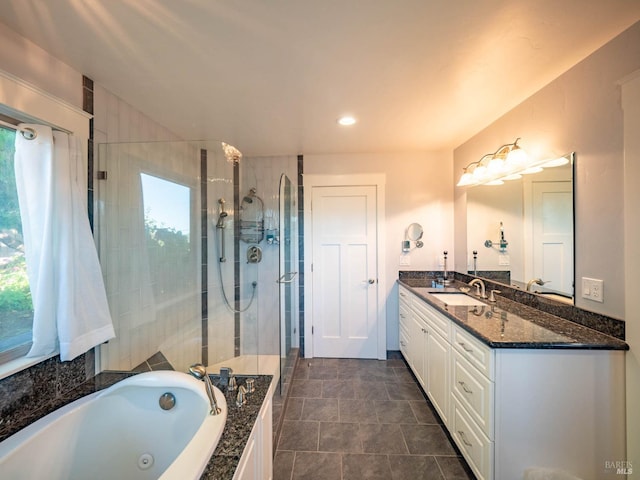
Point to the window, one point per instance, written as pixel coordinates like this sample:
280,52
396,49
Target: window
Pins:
16,309
167,221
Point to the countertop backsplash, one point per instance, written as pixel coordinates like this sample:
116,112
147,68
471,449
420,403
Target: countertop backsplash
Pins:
601,323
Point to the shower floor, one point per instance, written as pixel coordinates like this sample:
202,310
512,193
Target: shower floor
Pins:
250,365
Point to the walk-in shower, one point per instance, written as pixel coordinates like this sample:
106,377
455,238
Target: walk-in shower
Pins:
161,222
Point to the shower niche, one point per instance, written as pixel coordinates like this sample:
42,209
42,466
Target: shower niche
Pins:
252,218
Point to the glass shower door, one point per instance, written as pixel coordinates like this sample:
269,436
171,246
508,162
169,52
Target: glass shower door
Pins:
286,276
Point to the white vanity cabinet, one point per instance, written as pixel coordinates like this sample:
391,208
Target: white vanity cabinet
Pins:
472,401
511,409
256,462
428,348
404,302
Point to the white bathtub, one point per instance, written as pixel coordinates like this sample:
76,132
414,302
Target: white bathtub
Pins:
121,432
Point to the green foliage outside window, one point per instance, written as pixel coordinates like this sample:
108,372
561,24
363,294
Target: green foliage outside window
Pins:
16,309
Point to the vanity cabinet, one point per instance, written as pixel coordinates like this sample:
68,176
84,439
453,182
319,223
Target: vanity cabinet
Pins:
472,401
428,348
511,409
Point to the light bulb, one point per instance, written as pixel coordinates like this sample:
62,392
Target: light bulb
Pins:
465,179
558,162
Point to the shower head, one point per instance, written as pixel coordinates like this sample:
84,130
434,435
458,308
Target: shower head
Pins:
222,214
252,194
221,218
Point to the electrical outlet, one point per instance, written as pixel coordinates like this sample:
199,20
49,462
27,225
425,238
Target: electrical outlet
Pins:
593,289
405,260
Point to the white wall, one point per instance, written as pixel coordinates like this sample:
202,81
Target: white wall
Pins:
418,189
579,111
27,61
631,105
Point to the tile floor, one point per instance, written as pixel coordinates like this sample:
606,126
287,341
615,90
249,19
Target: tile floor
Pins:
362,419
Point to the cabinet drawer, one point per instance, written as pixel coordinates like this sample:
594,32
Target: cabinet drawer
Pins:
473,443
437,321
474,391
476,352
404,313
404,297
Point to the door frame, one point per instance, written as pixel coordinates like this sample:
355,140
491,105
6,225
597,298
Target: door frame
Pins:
377,180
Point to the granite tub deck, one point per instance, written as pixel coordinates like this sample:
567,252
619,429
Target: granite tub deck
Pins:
509,324
240,421
225,458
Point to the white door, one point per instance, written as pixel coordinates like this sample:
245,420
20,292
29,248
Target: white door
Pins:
344,271
553,234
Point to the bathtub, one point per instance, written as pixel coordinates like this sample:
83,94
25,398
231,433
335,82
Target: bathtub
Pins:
121,432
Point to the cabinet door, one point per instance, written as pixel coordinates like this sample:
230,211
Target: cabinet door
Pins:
248,466
405,318
266,443
438,365
417,344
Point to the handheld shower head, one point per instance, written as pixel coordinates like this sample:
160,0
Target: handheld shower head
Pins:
221,218
222,215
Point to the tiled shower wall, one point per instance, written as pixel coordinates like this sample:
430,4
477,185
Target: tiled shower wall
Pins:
153,309
220,318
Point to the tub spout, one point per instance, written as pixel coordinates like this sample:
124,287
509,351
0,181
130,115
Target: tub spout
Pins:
198,370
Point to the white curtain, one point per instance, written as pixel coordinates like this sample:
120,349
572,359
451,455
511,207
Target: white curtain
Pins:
70,305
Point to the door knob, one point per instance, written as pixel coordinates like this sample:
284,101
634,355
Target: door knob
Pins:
372,281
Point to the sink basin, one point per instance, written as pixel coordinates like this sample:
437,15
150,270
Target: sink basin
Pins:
458,299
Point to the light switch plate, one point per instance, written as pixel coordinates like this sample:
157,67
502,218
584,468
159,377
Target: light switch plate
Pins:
593,289
405,260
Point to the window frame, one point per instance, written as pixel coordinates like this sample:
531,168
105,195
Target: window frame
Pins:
28,103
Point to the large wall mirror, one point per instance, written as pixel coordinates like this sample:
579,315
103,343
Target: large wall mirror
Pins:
521,232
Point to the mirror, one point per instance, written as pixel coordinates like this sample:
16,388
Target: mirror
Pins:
521,232
414,232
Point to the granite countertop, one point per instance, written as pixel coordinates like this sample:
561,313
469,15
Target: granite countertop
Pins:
509,324
225,458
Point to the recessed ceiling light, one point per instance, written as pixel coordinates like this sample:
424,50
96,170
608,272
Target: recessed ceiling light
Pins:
346,120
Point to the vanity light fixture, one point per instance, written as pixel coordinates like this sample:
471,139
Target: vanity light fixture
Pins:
509,162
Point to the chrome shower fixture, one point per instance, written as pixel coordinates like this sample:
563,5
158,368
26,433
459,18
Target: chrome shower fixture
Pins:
220,226
252,194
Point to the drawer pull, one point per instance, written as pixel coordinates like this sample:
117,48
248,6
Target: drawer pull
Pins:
402,343
464,439
464,347
402,315
464,387
402,294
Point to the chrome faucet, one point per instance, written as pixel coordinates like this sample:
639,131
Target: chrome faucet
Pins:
537,281
198,371
480,288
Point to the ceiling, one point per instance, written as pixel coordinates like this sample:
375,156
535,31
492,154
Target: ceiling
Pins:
272,77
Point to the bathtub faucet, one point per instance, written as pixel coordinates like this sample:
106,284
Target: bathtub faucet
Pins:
198,371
